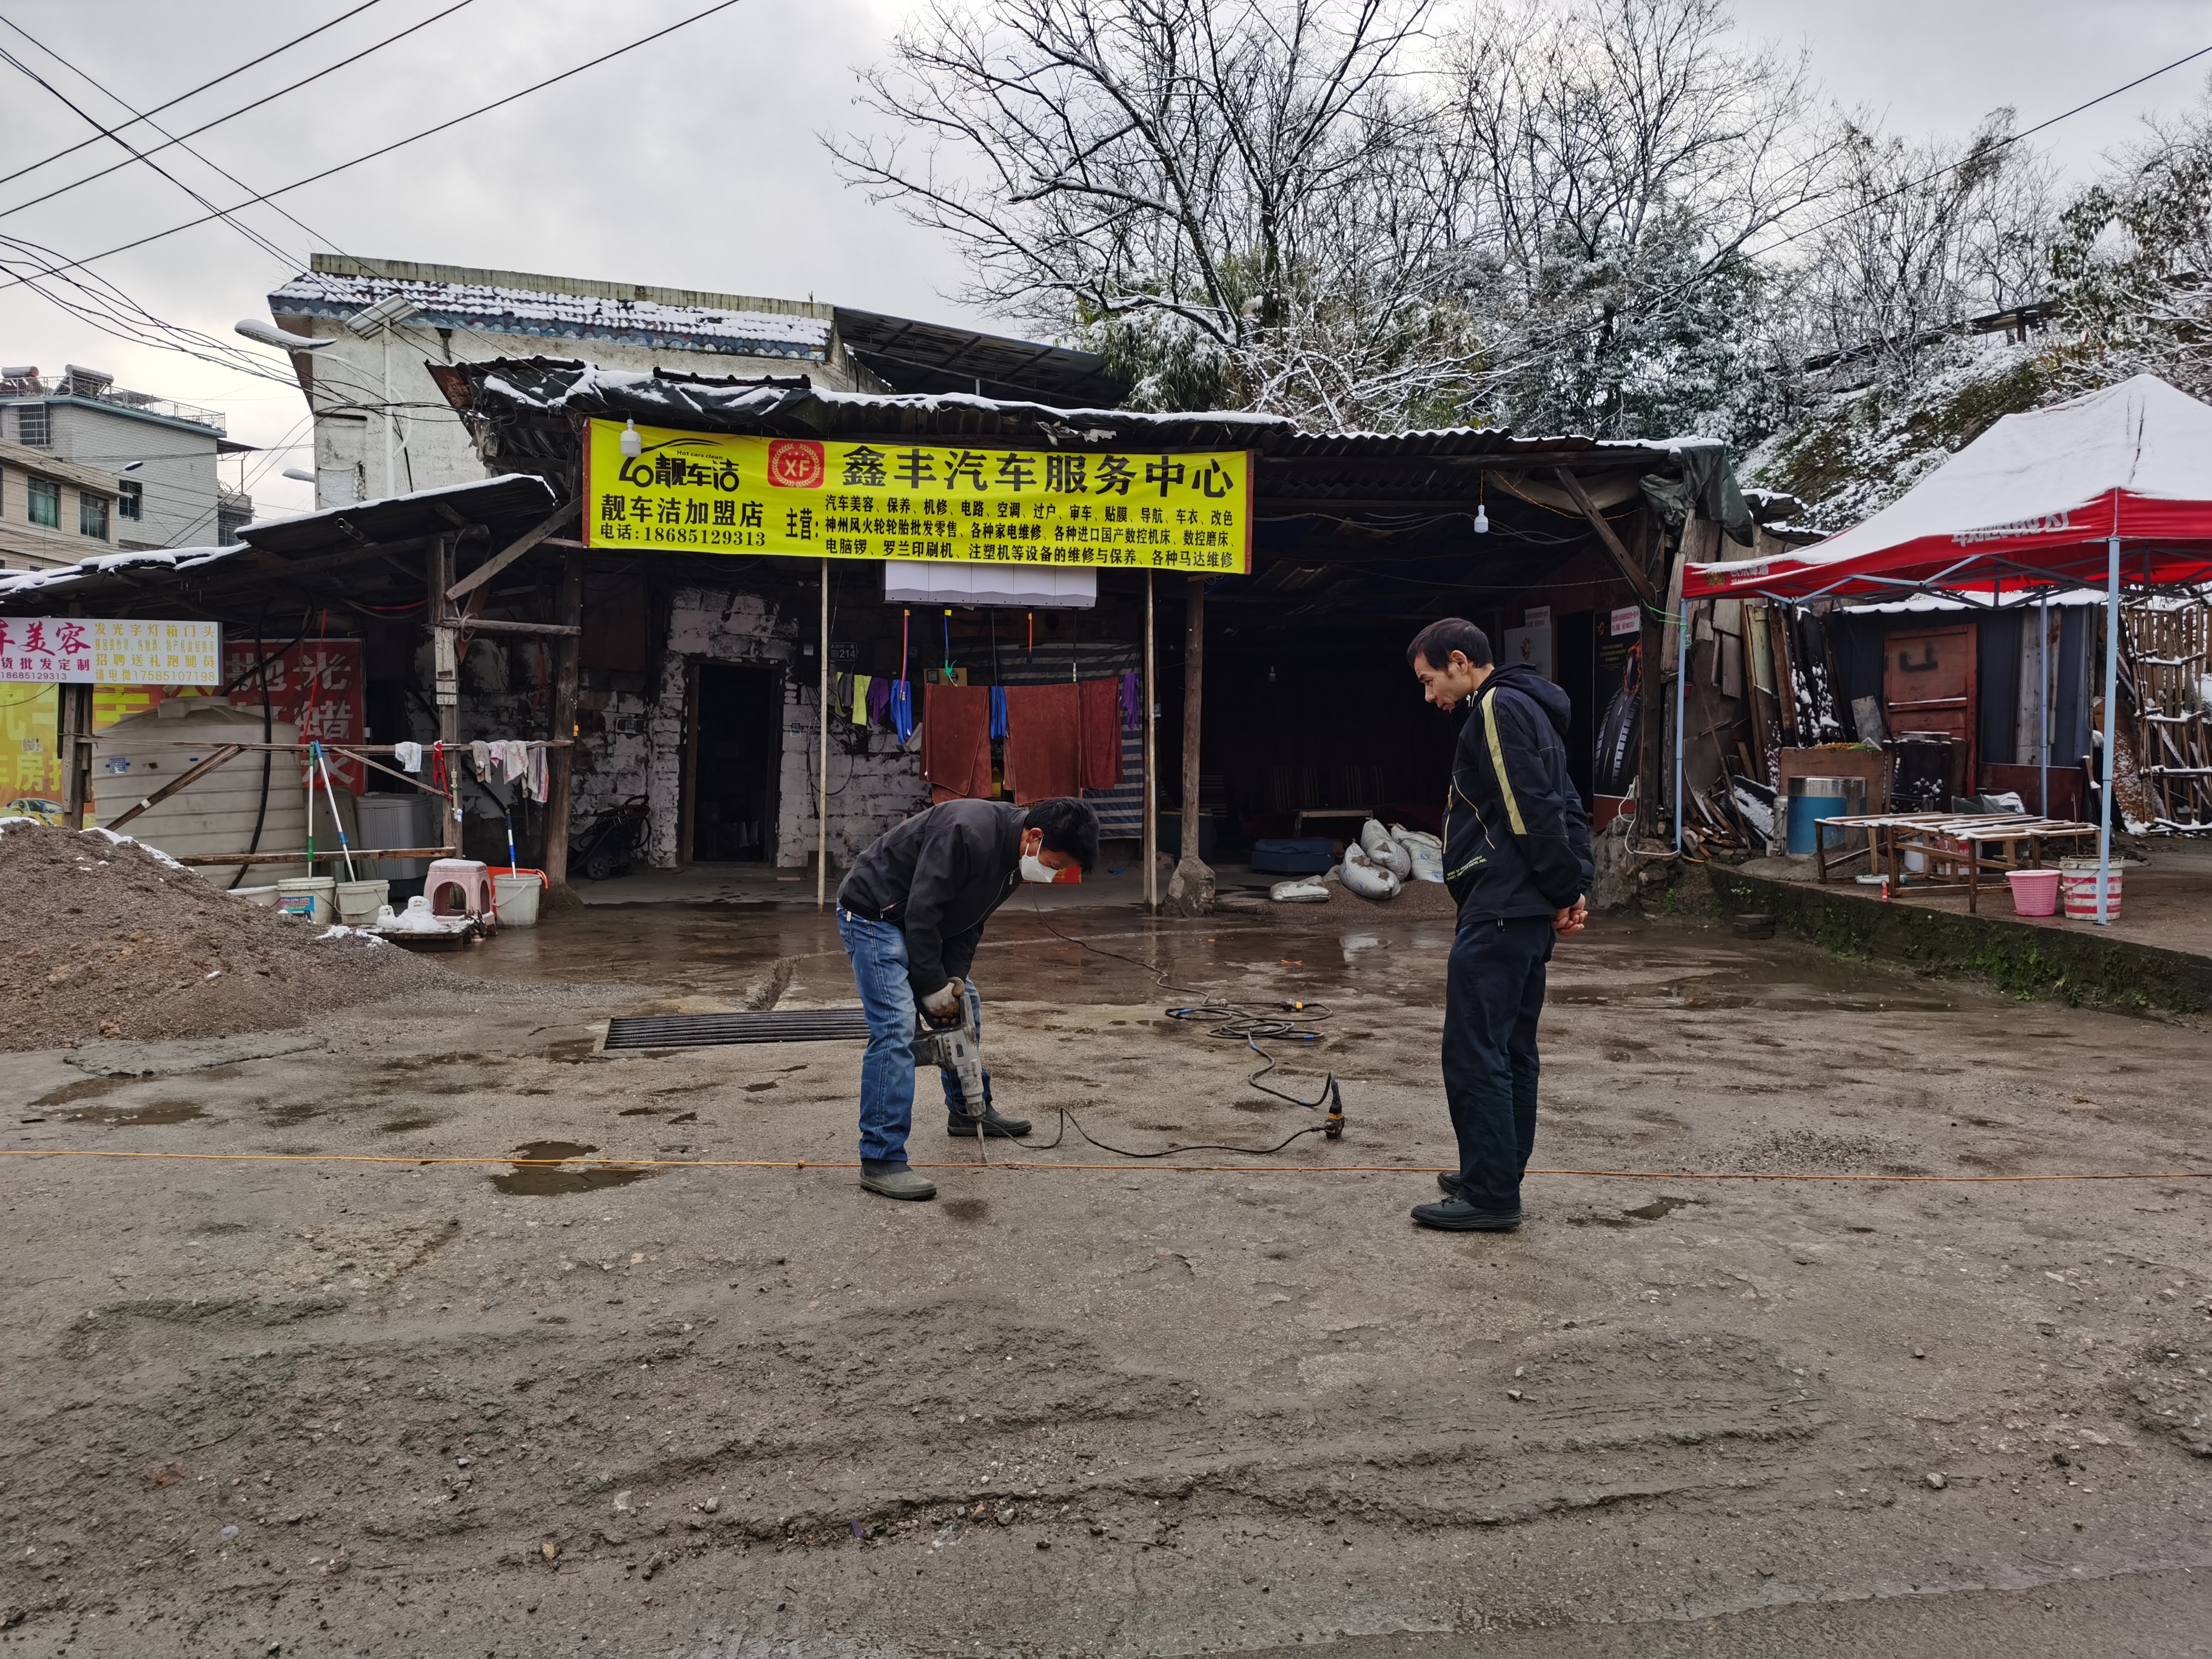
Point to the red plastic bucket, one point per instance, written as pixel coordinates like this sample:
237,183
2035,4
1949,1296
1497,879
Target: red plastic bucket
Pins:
2035,892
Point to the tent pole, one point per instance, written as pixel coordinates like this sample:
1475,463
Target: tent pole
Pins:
2043,696
1681,680
822,775
2112,711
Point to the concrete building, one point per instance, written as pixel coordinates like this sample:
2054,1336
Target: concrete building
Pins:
456,315
159,455
52,514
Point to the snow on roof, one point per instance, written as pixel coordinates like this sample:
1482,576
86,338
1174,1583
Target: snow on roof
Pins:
16,582
503,310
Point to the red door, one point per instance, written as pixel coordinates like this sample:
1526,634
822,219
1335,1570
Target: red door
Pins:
1928,685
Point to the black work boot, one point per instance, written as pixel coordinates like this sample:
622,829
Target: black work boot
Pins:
1456,1215
994,1126
891,1178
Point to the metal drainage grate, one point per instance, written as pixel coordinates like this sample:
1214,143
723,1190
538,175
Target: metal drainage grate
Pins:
712,1031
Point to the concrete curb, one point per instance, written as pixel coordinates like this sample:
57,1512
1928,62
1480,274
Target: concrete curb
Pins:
2081,968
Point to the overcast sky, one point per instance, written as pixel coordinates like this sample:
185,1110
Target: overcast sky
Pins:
694,162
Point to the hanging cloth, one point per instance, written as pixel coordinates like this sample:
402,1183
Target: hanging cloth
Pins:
409,754
1044,743
879,701
902,709
1132,702
1100,725
955,743
859,702
537,773
998,711
480,757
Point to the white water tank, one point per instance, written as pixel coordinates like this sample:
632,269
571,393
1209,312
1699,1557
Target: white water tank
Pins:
141,753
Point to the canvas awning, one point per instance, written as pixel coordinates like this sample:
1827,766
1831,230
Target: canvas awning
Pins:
2033,503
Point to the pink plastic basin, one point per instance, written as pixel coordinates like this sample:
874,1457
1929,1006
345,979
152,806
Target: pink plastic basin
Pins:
2034,892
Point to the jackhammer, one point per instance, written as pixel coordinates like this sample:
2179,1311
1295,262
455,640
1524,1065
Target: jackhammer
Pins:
956,1048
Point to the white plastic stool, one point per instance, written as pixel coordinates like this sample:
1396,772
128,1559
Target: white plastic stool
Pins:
460,887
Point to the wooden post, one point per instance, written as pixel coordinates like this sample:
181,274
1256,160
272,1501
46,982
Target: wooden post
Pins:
444,646
822,780
687,808
561,764
1151,764
1651,658
1190,890
72,736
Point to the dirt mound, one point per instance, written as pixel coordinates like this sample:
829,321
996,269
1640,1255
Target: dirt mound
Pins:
107,940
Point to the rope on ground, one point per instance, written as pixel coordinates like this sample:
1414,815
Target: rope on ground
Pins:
600,1163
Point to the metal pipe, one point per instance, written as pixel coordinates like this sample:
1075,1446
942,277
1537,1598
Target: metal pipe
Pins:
822,780
2112,714
2043,696
1681,681
1151,788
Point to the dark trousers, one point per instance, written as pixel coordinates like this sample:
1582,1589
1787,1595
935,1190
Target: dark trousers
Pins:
1494,997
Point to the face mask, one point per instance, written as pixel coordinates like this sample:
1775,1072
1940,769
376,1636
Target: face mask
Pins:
1035,869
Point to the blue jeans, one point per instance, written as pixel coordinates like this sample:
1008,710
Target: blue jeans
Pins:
878,950
1493,995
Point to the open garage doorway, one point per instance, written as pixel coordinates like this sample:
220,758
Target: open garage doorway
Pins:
735,752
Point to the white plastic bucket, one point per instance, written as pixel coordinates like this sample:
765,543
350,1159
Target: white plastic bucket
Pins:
515,898
309,897
264,896
358,902
2078,881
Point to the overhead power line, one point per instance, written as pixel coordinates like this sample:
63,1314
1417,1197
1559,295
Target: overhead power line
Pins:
400,143
251,62
63,190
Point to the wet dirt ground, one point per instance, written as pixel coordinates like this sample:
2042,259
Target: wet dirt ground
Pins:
382,1408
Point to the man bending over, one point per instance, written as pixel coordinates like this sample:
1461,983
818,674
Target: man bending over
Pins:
911,914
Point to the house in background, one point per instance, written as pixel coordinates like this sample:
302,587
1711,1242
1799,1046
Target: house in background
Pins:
51,513
390,320
159,455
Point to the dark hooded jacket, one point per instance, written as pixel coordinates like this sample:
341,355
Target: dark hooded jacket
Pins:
1517,839
937,878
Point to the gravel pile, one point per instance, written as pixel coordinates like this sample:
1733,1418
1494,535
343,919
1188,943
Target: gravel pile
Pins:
103,937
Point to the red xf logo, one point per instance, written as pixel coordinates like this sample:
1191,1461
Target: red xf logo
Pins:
795,464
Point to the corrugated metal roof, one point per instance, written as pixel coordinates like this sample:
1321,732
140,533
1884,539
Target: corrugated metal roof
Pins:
910,356
553,315
398,518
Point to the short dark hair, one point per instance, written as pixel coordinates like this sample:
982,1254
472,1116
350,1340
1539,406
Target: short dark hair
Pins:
1069,826
1435,643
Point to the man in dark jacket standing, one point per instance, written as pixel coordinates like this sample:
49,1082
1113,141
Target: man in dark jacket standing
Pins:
1517,860
911,914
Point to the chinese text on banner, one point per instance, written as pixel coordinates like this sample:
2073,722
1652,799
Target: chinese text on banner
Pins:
86,651
709,492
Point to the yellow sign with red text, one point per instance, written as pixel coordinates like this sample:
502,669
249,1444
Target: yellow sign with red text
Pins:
709,492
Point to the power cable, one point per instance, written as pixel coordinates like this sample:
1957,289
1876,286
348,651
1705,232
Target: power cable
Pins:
112,132
400,143
251,62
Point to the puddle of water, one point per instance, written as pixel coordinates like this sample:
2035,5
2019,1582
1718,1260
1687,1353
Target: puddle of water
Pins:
89,1088
154,1112
571,1050
541,1172
1659,1208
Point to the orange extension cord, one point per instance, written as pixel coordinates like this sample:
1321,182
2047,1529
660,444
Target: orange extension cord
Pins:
1219,1168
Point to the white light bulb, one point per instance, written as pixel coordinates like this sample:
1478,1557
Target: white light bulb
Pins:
632,446
1481,520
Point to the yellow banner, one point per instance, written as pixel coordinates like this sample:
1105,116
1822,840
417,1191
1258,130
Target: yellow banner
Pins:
708,492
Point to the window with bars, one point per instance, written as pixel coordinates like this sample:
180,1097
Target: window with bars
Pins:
45,504
32,425
91,514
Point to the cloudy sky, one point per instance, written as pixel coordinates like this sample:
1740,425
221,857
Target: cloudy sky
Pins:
694,162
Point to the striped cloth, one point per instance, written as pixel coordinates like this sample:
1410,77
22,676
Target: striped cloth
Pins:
1121,812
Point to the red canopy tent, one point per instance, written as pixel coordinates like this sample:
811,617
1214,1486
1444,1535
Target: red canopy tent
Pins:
2113,487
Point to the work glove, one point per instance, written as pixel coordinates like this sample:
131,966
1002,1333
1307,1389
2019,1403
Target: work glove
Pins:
942,1005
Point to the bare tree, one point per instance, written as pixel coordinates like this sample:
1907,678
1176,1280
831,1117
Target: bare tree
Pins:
1619,159
2133,261
1237,197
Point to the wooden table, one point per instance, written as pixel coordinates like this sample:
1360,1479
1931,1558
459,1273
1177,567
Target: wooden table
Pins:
1956,850
1361,813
